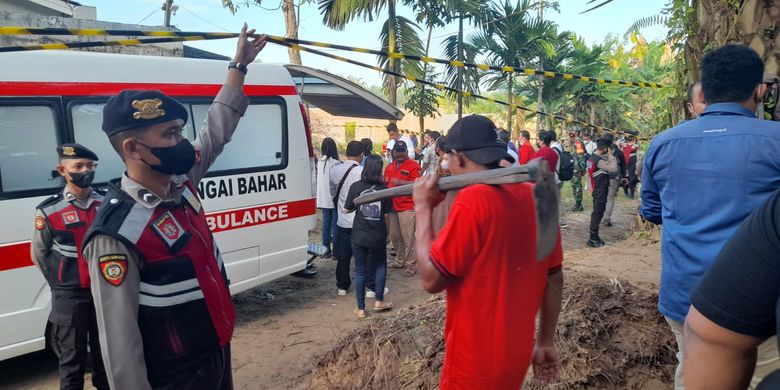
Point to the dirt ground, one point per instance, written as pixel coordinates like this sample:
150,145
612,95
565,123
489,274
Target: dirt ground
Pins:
283,326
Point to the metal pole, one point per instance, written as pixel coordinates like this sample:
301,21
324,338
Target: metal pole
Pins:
167,7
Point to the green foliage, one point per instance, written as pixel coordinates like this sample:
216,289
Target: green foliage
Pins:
422,101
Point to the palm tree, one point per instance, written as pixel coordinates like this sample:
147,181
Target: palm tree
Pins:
398,34
518,41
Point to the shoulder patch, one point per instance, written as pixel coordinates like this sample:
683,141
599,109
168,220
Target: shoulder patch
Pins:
40,222
113,268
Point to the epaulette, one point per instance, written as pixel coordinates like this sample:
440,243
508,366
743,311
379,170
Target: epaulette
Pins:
111,214
50,201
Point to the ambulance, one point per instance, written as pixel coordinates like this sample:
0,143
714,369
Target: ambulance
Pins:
259,194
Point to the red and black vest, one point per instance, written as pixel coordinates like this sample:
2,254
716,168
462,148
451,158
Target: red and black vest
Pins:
69,223
185,311
599,178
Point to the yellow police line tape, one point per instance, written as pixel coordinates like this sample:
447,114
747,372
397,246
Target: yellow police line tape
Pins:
274,39
209,35
567,119
121,42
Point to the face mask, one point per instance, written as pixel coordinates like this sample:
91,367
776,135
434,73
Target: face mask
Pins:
174,160
82,179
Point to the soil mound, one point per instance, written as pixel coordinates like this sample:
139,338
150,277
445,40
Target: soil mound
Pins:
610,336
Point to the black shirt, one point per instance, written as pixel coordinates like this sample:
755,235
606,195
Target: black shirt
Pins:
740,291
369,229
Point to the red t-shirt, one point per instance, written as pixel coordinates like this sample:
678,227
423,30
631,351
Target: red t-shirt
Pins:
497,286
526,153
547,153
408,170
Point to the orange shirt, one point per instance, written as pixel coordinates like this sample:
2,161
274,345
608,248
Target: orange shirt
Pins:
497,286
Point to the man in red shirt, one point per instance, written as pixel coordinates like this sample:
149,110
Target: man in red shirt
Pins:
547,153
526,149
399,172
493,290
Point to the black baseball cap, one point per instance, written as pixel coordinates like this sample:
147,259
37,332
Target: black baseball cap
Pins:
399,146
476,137
603,142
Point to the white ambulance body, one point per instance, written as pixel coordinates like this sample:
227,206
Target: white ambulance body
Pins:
259,194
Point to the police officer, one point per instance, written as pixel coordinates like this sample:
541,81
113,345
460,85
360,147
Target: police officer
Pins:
601,166
161,292
61,223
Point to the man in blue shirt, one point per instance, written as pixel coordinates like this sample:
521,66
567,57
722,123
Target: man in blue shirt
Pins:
704,176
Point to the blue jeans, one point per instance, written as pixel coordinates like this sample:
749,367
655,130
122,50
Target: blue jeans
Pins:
329,219
365,260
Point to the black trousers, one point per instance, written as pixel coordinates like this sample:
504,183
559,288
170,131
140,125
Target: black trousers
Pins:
600,192
212,373
71,339
342,250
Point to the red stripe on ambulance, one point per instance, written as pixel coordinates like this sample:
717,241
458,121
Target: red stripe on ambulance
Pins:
259,215
24,88
17,255
14,256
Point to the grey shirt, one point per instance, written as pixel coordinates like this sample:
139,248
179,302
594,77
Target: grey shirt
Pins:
117,306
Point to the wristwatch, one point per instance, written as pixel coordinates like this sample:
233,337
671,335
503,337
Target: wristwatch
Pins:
237,65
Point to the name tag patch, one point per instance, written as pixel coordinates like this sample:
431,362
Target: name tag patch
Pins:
113,268
191,199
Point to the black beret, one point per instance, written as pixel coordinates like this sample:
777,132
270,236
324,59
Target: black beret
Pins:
131,109
603,142
75,151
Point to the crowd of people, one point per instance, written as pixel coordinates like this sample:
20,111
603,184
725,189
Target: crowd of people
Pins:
147,277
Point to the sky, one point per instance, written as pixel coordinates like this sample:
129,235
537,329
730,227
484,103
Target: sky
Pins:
210,16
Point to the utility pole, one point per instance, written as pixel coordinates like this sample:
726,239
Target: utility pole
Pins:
460,68
539,103
168,8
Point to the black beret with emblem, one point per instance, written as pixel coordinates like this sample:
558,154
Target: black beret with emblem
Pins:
75,151
131,109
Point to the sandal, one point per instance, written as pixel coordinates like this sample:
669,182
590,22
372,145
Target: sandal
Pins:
384,306
396,265
361,314
409,273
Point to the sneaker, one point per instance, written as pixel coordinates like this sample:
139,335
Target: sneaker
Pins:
342,292
563,223
607,223
372,294
595,243
578,209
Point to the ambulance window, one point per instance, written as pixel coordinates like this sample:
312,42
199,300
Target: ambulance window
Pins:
28,149
87,130
257,141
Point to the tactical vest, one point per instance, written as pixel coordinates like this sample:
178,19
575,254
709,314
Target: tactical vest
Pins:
185,310
66,265
596,176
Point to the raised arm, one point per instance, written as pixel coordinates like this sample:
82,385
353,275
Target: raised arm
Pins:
229,106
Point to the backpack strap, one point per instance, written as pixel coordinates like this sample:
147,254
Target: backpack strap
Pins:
341,184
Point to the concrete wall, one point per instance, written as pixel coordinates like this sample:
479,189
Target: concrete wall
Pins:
43,21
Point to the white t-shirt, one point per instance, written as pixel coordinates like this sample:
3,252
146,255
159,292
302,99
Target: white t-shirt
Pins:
324,197
409,148
590,146
513,154
336,174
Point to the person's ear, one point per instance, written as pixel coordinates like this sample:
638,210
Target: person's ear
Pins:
131,148
61,169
